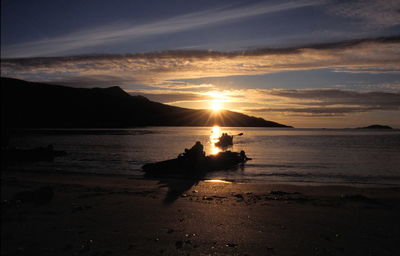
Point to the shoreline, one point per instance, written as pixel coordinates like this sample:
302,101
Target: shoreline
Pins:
231,180
119,215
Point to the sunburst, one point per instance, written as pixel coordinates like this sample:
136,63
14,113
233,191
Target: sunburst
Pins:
216,105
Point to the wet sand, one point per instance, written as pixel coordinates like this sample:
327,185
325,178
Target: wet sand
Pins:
120,215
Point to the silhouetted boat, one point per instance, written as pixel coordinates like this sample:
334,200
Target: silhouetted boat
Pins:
224,141
188,164
35,154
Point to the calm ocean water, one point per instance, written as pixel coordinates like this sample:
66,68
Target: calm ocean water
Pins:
284,155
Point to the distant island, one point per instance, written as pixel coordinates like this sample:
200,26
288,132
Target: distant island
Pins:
39,105
376,126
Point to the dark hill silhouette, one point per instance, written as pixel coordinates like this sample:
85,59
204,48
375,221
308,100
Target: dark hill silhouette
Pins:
37,105
376,126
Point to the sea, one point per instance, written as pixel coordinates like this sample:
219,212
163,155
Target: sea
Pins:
285,155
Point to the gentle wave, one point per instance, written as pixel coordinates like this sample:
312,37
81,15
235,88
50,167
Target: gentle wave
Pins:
278,154
83,132
328,176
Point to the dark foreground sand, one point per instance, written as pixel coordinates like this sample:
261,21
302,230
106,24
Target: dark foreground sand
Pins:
118,215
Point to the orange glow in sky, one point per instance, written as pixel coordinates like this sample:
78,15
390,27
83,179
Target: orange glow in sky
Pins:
216,105
218,181
217,99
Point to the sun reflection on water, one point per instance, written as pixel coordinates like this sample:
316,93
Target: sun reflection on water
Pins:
218,181
214,138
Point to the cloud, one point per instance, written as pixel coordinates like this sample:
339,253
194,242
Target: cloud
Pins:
336,96
326,102
366,70
183,85
162,69
173,96
115,33
372,86
315,111
91,81
170,97
300,102
370,13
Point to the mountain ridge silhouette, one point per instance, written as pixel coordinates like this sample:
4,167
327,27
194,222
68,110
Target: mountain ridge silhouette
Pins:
38,105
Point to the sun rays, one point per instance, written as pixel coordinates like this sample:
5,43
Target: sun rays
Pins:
216,106
217,98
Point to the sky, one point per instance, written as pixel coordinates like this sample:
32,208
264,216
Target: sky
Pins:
305,63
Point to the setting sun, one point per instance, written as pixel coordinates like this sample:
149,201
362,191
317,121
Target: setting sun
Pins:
217,98
216,105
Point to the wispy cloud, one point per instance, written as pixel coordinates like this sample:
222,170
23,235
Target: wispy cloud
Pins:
371,14
183,85
332,111
372,86
306,102
326,102
368,70
114,33
162,69
171,96
97,80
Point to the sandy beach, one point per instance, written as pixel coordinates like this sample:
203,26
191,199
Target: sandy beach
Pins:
122,215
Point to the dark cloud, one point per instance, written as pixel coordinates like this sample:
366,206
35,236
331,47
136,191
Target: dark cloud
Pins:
48,61
92,81
371,14
340,97
160,69
328,102
321,111
172,97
